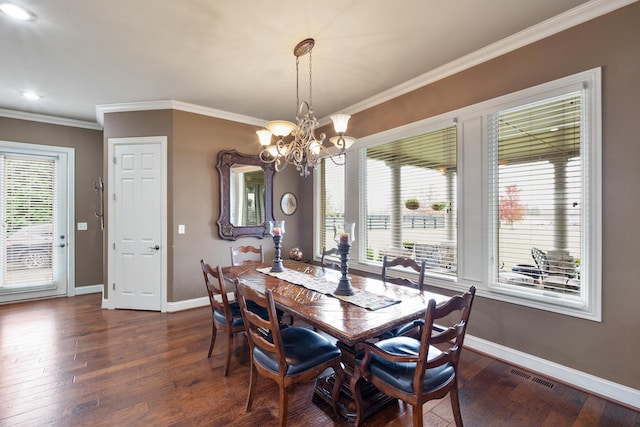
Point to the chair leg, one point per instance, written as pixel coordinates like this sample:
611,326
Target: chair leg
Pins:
229,351
417,415
337,385
455,404
253,374
214,332
284,405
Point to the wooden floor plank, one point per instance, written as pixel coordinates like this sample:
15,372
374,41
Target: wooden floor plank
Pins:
68,362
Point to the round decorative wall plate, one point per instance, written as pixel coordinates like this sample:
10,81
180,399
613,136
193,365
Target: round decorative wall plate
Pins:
288,203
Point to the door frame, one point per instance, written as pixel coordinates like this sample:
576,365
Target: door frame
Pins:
70,193
111,226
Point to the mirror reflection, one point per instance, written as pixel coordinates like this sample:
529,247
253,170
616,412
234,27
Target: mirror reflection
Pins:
247,195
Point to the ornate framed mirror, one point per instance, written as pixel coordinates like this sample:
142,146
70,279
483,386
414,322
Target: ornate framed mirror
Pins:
246,195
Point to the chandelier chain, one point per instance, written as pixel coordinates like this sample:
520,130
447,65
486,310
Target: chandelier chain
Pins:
310,85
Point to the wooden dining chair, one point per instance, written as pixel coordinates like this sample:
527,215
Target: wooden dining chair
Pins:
330,258
287,356
390,276
418,370
226,315
246,255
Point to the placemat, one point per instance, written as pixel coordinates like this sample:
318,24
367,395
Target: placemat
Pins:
327,284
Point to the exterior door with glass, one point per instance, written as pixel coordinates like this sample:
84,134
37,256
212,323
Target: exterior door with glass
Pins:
34,206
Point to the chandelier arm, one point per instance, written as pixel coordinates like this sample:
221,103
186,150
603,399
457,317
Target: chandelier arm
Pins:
266,157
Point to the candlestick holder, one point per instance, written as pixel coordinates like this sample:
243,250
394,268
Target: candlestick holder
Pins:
344,285
276,229
277,260
344,236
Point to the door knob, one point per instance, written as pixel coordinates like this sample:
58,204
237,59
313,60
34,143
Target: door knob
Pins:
155,248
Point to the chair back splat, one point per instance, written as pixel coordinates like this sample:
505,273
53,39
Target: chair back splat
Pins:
246,255
388,276
416,371
330,258
286,355
388,263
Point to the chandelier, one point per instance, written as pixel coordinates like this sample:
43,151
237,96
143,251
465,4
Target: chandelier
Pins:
305,150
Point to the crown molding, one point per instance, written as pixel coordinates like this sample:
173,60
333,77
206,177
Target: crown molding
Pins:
103,109
42,118
551,26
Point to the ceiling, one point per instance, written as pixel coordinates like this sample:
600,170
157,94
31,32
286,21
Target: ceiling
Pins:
237,56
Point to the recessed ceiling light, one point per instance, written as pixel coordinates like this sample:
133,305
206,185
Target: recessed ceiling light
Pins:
16,12
31,95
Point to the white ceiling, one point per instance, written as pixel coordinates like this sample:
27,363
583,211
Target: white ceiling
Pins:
237,56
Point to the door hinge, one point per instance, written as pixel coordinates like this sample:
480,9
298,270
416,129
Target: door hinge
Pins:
114,286
114,246
114,160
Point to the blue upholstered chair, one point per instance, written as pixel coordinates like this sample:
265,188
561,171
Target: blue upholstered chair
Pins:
416,371
287,356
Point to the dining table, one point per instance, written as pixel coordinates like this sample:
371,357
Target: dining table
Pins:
305,291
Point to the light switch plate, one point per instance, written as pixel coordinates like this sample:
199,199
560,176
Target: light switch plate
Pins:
181,229
82,226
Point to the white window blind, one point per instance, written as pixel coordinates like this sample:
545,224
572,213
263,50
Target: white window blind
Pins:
536,154
410,200
332,202
28,209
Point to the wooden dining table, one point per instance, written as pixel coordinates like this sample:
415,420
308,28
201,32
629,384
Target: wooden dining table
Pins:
348,323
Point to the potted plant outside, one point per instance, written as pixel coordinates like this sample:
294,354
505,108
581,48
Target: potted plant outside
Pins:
412,203
438,206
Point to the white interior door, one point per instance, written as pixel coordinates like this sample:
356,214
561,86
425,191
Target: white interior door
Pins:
137,222
35,200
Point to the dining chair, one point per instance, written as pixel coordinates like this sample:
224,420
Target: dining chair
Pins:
287,356
246,255
390,276
418,370
226,316
330,258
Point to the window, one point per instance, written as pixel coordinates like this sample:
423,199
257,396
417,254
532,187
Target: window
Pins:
507,199
332,202
540,185
411,200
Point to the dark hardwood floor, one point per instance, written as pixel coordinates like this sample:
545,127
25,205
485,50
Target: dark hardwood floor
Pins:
67,362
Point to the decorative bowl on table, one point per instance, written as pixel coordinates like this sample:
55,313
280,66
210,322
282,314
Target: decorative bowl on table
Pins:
295,254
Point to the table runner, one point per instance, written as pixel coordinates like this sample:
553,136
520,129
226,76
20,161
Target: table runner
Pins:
327,285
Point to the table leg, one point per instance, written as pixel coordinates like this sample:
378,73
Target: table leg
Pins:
373,400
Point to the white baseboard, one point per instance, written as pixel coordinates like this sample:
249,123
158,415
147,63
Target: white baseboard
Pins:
616,392
91,289
187,304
